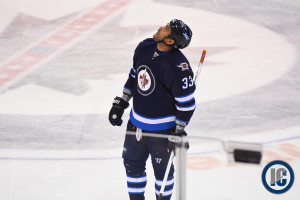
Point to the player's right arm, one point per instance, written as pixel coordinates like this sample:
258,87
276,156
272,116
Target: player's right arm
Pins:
129,85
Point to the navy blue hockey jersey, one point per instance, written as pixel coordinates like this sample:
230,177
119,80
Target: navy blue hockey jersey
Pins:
162,88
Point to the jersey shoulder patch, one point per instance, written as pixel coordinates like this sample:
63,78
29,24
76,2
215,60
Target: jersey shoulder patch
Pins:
184,66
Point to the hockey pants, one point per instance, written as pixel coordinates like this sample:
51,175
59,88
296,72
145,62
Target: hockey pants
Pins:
135,155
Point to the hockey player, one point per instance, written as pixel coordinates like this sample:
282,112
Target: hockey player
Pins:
162,87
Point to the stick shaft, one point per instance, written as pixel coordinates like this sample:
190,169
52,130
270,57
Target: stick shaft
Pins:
166,175
200,66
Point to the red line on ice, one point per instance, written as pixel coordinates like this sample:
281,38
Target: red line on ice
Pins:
24,62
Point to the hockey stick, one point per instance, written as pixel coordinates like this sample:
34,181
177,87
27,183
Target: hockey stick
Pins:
172,153
166,175
200,66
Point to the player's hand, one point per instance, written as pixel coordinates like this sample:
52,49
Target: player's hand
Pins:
117,110
175,139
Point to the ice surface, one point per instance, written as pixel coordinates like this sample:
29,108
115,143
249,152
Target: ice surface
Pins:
63,62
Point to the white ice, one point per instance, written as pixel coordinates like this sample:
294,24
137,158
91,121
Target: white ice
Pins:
55,94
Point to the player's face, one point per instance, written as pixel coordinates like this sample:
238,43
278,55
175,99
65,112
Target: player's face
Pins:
162,32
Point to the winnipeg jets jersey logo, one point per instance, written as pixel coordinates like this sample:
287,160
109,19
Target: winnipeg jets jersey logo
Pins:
143,79
146,81
183,66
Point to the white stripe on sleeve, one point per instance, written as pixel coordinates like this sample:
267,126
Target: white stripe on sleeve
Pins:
188,108
184,98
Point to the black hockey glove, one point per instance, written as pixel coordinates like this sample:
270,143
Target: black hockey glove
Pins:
117,110
175,139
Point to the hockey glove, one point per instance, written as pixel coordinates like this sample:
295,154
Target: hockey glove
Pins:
175,139
117,110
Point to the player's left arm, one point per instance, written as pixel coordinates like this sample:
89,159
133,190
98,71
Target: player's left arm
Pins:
183,89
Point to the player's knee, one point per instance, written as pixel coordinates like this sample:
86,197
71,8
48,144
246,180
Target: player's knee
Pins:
135,168
160,172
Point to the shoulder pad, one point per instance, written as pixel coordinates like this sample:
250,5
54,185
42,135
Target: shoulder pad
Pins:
146,42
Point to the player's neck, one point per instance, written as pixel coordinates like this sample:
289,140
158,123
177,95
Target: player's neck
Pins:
162,47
